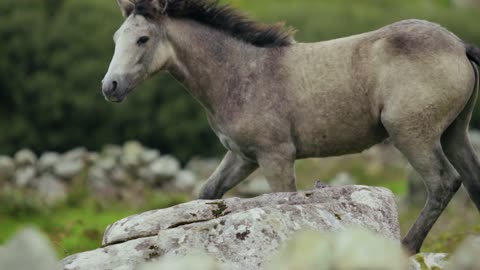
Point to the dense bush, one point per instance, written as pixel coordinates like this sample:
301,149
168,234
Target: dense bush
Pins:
53,54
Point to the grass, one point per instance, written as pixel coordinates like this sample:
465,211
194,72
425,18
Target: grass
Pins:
70,229
78,227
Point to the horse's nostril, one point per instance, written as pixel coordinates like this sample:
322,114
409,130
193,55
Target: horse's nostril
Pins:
114,84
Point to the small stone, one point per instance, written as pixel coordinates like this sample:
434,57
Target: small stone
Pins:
25,157
319,184
92,158
50,189
24,176
107,163
131,154
164,169
119,177
146,175
47,162
113,151
76,154
68,169
148,156
185,181
7,169
97,177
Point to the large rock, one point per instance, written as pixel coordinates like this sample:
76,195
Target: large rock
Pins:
7,169
239,233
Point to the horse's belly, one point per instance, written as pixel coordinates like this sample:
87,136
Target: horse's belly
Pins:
340,139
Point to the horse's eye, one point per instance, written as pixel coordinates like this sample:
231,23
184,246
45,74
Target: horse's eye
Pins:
143,40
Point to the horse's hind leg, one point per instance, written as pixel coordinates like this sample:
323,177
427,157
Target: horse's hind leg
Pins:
457,147
459,151
420,144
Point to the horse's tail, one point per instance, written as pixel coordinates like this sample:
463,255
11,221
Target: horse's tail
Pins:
473,53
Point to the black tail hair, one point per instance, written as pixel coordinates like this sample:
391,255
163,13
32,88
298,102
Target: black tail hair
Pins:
473,53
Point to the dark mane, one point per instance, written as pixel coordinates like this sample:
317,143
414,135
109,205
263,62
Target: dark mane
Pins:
222,17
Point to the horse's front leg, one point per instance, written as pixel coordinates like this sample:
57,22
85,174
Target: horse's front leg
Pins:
228,174
278,167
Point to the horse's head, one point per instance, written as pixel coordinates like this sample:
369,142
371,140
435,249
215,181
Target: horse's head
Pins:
141,48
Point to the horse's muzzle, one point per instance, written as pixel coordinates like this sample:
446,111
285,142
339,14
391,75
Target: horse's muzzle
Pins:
114,90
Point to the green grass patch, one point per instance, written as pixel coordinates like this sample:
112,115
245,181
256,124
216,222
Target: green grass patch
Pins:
74,229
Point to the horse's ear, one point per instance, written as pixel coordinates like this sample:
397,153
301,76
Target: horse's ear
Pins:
126,6
160,6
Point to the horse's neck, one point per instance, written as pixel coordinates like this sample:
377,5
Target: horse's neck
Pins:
207,61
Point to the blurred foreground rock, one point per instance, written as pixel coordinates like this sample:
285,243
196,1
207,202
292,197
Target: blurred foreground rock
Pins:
467,255
28,250
353,249
239,233
190,262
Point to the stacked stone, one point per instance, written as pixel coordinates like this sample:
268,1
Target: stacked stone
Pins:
114,173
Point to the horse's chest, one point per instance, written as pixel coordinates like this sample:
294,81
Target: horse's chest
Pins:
230,142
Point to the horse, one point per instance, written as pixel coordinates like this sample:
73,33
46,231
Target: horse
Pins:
271,100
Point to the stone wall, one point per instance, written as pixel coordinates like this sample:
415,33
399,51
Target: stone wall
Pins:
108,174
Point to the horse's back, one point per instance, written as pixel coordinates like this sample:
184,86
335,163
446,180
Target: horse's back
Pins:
346,84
